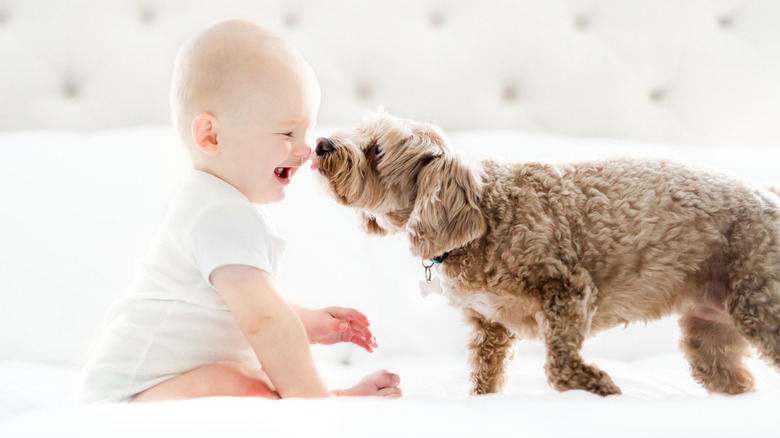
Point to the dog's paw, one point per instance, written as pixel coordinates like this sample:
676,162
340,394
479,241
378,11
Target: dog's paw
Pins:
605,387
485,389
584,377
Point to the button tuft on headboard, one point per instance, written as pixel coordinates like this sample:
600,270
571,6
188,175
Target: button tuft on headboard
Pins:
70,90
363,91
291,19
726,21
436,19
510,93
3,17
657,94
581,22
146,15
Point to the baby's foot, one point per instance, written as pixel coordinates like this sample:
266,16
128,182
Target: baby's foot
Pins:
381,383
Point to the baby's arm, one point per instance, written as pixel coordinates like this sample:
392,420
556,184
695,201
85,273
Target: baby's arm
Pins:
272,328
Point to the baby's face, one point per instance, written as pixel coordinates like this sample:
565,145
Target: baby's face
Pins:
266,138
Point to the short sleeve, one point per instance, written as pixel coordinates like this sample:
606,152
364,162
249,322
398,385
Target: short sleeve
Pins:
232,234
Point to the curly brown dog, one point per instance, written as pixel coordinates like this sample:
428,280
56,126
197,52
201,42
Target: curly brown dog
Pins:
559,253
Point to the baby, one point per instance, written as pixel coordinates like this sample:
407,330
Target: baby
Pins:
203,312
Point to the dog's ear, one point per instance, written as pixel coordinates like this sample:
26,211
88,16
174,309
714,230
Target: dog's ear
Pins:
446,213
369,225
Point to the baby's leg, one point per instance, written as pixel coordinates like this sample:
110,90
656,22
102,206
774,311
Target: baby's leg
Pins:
216,379
381,383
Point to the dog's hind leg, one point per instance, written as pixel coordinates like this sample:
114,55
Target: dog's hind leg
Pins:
490,347
754,284
755,308
715,350
564,323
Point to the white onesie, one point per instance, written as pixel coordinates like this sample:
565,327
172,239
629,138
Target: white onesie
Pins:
171,319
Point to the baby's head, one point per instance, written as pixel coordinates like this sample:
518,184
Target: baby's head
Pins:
244,102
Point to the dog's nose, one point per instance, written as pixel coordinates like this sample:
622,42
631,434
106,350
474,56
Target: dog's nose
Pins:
323,146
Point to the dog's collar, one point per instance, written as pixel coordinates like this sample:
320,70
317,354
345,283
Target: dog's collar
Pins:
439,259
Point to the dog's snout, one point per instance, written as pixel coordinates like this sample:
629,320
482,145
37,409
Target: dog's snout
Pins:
323,146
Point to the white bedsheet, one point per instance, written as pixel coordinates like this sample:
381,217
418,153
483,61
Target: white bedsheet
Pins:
659,399
81,207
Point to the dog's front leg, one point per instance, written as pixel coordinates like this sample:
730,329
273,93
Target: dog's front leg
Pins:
490,348
564,323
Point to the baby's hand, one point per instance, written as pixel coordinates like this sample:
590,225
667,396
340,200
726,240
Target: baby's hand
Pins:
339,324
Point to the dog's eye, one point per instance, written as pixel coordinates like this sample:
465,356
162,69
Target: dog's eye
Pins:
373,151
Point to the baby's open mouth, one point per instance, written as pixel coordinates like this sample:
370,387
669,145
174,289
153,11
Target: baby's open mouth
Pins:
282,172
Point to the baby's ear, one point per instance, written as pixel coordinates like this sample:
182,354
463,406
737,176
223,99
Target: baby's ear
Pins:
369,225
204,134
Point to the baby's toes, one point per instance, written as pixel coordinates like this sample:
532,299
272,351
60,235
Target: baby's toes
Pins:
390,392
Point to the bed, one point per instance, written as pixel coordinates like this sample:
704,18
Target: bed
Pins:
89,162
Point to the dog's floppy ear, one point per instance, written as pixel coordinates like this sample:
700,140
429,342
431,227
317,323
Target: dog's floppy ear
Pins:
369,225
446,213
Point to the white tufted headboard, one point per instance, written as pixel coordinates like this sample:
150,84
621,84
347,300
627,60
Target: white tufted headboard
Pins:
704,72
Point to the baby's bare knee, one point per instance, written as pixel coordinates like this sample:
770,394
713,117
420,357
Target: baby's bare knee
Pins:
212,380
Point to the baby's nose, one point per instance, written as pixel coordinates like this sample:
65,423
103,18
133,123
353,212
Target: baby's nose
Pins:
303,151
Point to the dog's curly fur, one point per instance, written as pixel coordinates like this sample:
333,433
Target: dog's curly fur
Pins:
559,253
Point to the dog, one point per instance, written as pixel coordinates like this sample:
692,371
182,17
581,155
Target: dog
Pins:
559,253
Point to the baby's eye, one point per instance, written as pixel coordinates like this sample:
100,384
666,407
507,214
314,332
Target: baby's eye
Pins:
286,134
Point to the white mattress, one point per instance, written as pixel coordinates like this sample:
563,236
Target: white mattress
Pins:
659,398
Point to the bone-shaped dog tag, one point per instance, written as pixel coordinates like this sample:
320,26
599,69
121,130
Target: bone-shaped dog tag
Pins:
430,287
